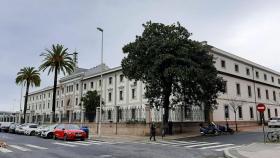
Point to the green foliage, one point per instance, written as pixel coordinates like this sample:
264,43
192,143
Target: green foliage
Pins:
136,121
91,101
28,76
171,64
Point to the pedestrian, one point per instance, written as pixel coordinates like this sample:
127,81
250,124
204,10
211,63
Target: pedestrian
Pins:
153,132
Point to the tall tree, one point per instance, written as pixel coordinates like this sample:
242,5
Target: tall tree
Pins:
175,69
91,101
57,60
28,76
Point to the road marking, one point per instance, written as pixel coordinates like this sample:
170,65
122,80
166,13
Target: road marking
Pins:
78,143
179,141
188,143
57,143
4,150
216,146
202,144
19,148
222,149
36,147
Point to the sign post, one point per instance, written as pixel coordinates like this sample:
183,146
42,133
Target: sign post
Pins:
261,108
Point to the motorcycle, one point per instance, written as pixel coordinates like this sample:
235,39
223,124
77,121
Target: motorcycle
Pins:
210,130
225,129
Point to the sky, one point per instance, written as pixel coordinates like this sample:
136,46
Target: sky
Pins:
247,28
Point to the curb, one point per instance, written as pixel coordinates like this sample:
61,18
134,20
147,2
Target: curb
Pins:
227,154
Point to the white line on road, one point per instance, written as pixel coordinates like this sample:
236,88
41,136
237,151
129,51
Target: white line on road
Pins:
203,144
4,150
57,143
222,149
36,147
19,148
216,146
78,143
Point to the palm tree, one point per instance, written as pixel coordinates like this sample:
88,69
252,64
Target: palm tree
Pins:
57,60
28,76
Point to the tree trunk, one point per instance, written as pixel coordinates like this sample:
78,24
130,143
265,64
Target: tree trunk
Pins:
166,103
25,101
207,114
54,94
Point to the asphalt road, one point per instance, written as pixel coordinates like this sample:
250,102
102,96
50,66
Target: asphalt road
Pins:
21,146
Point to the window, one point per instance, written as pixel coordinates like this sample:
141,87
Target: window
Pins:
238,89
62,90
56,103
61,103
44,106
48,105
223,64
249,91
110,80
121,95
276,112
110,96
272,79
259,92
77,86
225,86
40,97
251,113
248,71
226,112
236,67
109,115
77,101
274,96
120,114
44,96
240,114
278,80
85,86
264,77
268,113
91,85
133,114
133,93
99,83
266,93
257,74
121,78
57,94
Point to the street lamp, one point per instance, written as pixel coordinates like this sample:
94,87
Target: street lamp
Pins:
101,78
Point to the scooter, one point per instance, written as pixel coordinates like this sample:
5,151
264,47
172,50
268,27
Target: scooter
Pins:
210,130
225,129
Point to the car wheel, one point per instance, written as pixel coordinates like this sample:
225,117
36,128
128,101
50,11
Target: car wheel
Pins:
32,133
82,139
50,135
65,137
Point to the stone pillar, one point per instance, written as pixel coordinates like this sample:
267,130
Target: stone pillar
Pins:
59,116
82,116
70,116
148,114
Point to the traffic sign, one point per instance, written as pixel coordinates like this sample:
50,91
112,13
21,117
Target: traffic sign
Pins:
261,107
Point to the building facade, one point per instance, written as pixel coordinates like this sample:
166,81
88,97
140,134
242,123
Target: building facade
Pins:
247,84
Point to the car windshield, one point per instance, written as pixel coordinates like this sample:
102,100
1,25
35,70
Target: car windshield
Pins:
71,127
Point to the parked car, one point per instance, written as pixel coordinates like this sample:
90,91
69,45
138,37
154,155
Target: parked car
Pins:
12,128
38,131
20,129
274,122
48,131
30,129
69,132
5,126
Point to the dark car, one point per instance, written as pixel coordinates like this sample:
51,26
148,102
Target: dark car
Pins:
5,126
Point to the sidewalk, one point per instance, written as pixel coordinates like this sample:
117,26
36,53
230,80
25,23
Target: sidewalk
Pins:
255,150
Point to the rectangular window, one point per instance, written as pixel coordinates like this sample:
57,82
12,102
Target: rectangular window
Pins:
77,86
121,95
264,77
240,113
226,111
133,114
48,105
238,92
274,96
257,74
266,93
268,113
110,96
109,115
110,80
259,92
133,93
121,78
223,64
236,67
57,104
61,103
248,71
272,79
62,91
278,81
276,112
225,86
249,91
91,85
85,86
99,83
251,113
77,101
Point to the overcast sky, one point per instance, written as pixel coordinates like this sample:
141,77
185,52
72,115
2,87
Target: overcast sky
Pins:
247,28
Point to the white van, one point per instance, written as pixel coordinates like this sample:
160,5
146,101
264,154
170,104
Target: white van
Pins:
274,122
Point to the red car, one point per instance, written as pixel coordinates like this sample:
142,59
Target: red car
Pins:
68,132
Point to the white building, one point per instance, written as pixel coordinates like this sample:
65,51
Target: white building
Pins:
247,85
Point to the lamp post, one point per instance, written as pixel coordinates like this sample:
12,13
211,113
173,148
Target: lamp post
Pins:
101,78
